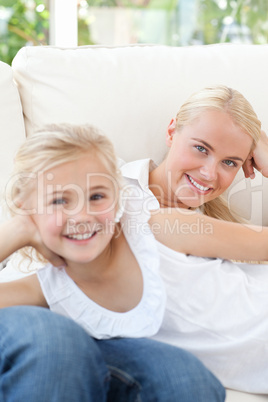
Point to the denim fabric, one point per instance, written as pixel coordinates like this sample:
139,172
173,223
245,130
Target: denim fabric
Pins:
153,371
45,357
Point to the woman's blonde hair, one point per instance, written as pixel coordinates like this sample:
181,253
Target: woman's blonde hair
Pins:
52,146
232,102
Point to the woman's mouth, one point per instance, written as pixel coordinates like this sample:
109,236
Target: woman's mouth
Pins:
197,185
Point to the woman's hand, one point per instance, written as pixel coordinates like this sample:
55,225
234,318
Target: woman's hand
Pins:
258,158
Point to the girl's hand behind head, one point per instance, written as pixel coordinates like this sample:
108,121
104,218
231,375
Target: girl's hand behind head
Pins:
33,239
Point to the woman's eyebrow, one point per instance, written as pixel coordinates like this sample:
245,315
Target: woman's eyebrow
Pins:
237,158
205,143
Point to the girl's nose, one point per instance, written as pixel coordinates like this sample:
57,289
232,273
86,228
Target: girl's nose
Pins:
79,210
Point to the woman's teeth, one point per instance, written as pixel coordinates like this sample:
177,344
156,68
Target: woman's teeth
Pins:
202,188
80,236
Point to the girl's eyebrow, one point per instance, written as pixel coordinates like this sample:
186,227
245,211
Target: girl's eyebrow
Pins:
237,158
93,188
55,193
98,187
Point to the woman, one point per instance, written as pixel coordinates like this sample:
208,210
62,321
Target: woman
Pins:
199,168
215,309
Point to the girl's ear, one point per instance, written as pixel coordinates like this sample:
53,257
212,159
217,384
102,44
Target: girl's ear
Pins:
170,132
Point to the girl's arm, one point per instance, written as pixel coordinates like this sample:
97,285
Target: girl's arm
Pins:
21,231
200,235
25,291
13,236
18,232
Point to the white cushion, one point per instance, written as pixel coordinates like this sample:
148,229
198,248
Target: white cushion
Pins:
235,396
132,92
12,131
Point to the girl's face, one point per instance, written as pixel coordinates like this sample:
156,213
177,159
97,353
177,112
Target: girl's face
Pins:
75,207
204,158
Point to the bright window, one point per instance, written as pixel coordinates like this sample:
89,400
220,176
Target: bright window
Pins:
120,22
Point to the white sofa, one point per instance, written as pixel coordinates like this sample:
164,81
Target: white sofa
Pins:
131,93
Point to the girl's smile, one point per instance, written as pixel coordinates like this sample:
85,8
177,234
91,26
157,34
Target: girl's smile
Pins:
79,202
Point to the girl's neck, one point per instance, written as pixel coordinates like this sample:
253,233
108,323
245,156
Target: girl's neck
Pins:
96,269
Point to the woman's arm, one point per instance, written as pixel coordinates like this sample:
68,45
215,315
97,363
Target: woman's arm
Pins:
200,235
258,158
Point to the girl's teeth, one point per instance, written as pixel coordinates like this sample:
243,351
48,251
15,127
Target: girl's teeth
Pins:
202,188
80,236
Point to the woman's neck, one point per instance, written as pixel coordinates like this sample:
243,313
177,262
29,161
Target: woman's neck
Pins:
160,189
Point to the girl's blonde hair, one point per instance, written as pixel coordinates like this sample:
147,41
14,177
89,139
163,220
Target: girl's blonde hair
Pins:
232,102
52,146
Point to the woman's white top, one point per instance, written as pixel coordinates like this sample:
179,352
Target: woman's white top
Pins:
216,309
66,298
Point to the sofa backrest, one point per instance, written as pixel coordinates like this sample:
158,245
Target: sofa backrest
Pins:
12,130
132,92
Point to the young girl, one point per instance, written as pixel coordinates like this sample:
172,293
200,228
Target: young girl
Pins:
64,200
64,196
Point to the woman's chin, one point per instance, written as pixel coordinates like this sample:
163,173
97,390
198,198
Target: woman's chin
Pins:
190,202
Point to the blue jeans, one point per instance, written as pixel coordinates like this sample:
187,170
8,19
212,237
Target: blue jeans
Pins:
45,357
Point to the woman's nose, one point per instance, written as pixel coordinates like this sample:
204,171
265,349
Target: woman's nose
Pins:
209,171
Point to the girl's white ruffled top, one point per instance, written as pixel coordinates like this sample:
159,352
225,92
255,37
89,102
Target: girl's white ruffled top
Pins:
66,298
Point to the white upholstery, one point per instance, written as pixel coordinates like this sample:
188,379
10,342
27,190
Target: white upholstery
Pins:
12,131
131,93
235,396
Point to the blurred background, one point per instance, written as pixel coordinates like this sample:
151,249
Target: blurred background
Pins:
122,22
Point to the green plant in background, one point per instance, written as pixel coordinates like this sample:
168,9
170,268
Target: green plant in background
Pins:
233,20
27,23
163,4
118,3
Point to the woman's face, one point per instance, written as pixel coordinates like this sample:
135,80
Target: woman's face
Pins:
204,158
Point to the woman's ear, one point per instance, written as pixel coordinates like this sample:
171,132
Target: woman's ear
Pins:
170,132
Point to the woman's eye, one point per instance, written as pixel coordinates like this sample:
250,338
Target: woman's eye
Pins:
230,163
96,197
200,148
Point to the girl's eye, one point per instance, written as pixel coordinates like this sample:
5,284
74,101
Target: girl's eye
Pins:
200,148
58,201
230,163
96,197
